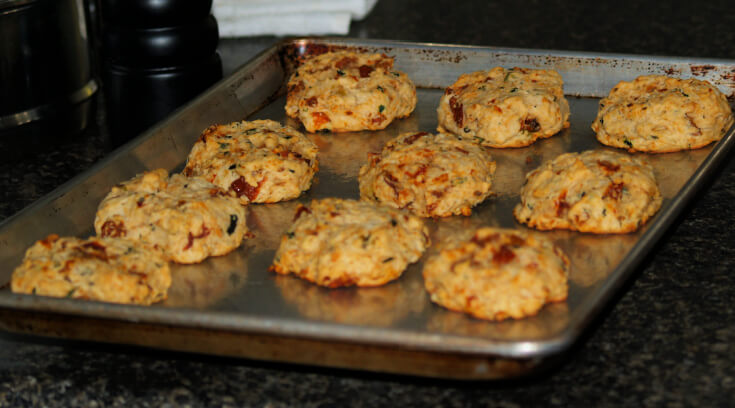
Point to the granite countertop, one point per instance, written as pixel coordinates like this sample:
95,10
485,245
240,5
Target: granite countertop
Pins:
668,339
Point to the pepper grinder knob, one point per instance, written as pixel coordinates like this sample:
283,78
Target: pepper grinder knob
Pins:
157,55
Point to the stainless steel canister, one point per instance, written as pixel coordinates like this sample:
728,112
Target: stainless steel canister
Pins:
45,67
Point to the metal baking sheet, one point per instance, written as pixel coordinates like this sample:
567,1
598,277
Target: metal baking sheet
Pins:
235,295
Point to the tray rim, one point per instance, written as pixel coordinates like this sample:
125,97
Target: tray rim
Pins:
436,342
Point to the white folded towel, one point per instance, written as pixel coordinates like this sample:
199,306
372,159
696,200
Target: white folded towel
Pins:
240,18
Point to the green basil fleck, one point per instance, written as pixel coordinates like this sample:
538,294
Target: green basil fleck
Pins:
381,108
233,224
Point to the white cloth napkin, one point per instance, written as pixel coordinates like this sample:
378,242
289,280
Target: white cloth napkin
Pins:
241,18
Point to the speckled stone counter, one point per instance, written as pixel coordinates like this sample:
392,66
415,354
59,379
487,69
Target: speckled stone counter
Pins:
668,339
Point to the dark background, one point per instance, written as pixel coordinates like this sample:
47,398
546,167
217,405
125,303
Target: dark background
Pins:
667,340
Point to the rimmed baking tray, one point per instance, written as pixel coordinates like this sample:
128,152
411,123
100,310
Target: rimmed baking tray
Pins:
233,306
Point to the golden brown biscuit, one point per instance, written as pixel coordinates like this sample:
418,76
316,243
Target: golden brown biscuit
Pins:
260,161
336,242
345,91
505,108
430,175
106,269
497,274
596,191
660,114
188,218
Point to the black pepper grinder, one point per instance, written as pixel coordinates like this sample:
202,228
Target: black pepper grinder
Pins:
157,55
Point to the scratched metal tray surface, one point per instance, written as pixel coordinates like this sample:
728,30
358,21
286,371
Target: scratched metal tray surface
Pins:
242,309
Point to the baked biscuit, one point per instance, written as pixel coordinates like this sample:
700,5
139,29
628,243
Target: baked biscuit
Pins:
505,108
258,162
347,91
337,242
430,175
106,269
188,218
496,274
596,191
660,114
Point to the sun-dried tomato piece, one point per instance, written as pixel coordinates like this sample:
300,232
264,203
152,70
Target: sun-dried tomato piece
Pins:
517,241
457,111
504,255
561,203
614,191
410,139
191,237
392,182
609,167
421,170
378,119
113,229
242,188
530,124
365,71
320,118
94,250
344,62
302,209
